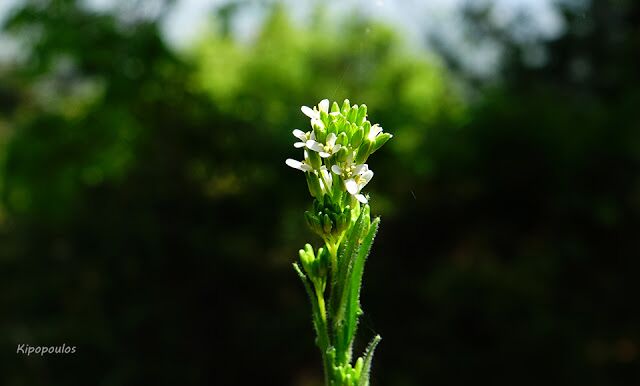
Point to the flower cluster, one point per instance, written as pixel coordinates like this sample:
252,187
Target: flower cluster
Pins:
336,150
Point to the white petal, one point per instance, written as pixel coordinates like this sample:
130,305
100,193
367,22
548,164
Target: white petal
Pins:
324,105
375,130
299,144
336,148
360,169
351,185
315,122
367,176
361,198
301,135
309,112
336,169
324,154
331,139
315,146
327,176
295,164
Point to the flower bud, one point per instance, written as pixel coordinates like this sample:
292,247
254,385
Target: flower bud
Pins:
363,151
319,130
326,223
322,262
326,203
314,184
343,139
342,222
342,154
380,140
353,114
345,107
314,159
362,114
356,138
314,223
324,117
308,259
332,128
358,367
366,127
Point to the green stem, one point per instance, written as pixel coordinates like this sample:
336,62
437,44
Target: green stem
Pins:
323,333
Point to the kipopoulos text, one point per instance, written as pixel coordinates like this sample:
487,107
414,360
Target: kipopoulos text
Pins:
45,350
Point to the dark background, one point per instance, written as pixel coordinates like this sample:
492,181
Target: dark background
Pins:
147,216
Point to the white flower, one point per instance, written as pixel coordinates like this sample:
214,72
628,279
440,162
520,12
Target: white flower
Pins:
317,123
303,137
327,149
300,165
315,113
373,133
355,178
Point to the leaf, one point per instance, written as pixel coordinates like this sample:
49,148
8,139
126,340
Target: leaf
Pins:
355,282
341,286
315,310
368,358
345,253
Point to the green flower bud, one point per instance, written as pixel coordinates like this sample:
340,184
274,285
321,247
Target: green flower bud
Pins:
333,128
319,130
314,184
380,140
322,262
326,202
337,124
308,248
314,223
353,114
342,222
363,151
318,205
308,260
335,108
349,128
337,187
366,127
314,159
343,139
345,107
341,155
324,117
358,367
356,138
362,114
327,224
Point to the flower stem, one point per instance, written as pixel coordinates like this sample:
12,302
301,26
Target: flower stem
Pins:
323,334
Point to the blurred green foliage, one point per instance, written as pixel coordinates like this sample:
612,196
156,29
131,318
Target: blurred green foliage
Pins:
142,216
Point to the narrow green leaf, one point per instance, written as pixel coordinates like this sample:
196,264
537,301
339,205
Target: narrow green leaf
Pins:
368,358
345,252
315,309
355,281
